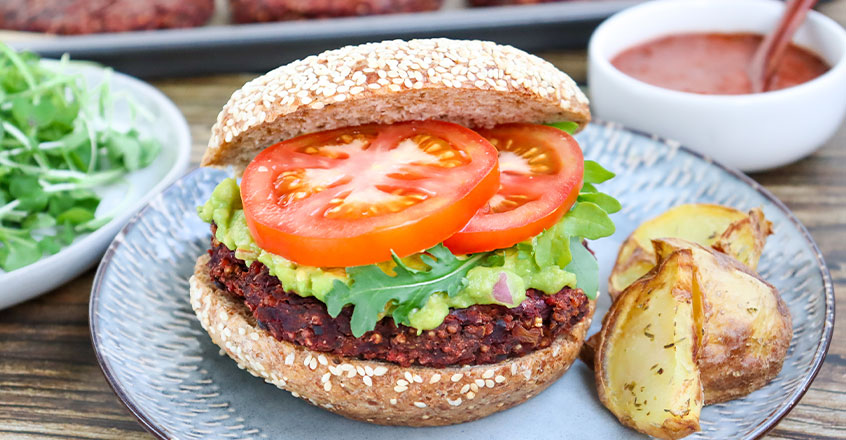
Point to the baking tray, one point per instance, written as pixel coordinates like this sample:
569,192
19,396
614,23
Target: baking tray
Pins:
220,47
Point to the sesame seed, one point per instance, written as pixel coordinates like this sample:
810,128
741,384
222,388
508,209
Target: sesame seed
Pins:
322,360
408,377
465,388
254,336
222,316
435,378
455,402
479,382
296,394
400,388
241,331
527,373
475,387
360,370
471,395
420,404
500,379
489,383
334,370
307,360
488,374
426,417
351,373
393,401
513,369
367,381
327,386
312,364
456,377
368,369
380,371
325,377
418,379
402,382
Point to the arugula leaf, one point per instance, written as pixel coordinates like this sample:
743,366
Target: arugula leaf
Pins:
585,267
607,203
595,173
588,220
567,126
372,291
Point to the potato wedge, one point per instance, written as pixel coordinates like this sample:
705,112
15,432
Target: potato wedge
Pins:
746,327
645,363
731,231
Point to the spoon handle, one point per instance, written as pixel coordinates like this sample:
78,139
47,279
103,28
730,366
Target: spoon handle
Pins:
770,52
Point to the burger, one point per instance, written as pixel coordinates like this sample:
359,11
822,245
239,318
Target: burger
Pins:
406,244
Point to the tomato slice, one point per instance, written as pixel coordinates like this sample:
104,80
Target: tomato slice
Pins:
541,170
347,197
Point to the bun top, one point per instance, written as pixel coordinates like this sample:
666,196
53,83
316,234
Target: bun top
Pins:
477,84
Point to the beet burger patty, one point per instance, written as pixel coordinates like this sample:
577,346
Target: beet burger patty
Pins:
479,334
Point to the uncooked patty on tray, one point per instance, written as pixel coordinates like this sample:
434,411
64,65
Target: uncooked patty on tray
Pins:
95,16
252,11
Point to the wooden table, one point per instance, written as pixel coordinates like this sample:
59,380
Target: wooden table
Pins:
51,386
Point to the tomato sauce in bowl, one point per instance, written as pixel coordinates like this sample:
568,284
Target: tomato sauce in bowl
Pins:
712,63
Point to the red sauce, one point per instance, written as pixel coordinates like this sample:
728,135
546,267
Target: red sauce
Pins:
713,64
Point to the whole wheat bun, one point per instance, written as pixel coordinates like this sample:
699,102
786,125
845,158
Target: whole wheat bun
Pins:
477,84
375,391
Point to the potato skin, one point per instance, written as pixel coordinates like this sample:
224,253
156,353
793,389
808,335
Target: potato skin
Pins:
631,359
745,333
741,235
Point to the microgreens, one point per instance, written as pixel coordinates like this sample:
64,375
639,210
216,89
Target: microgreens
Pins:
57,143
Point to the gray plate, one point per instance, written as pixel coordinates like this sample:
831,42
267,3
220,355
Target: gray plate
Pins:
260,47
169,374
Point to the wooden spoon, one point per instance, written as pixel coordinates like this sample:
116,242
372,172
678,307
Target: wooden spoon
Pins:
769,54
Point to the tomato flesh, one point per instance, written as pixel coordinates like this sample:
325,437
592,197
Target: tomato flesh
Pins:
541,171
350,196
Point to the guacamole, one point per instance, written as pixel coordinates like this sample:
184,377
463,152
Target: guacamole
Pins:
503,281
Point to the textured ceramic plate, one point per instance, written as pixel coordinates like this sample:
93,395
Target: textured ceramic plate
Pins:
167,371
120,199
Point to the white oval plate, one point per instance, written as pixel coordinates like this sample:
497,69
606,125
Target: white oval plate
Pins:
122,200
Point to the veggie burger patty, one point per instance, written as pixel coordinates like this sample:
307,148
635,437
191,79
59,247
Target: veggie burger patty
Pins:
480,334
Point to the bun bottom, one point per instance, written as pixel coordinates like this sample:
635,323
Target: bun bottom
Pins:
377,391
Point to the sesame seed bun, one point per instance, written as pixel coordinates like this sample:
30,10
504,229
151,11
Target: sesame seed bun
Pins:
477,84
375,391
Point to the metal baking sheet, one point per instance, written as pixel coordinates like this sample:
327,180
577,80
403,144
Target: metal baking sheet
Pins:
221,47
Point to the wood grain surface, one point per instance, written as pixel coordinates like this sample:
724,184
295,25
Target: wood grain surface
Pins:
51,386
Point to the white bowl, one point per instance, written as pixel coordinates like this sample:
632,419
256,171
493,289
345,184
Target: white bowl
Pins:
751,132
121,199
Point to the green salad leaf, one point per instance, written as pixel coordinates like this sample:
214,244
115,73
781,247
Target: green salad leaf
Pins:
585,267
57,143
373,290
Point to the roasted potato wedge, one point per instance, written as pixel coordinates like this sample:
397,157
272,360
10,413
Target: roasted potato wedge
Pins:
731,231
746,327
645,362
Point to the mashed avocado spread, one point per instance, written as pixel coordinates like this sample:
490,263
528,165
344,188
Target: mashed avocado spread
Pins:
515,268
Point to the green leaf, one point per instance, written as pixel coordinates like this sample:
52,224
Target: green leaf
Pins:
588,188
372,291
65,234
29,192
29,114
75,216
607,203
39,220
587,220
49,245
585,267
568,126
595,173
19,252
